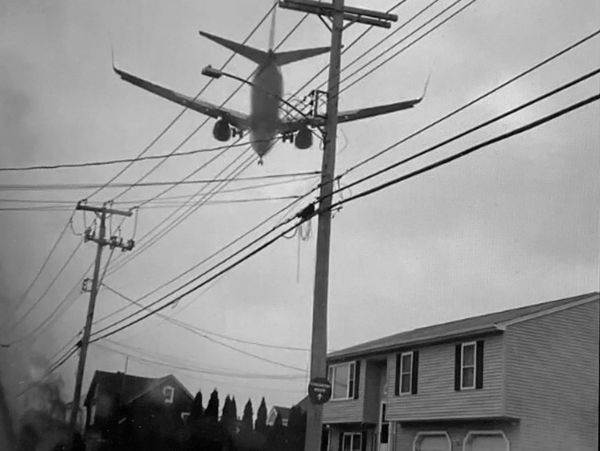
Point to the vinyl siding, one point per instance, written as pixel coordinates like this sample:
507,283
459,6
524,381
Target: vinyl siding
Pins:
347,410
552,379
436,397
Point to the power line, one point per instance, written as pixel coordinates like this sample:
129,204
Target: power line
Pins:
70,186
120,160
394,55
178,116
40,270
39,299
163,205
470,150
470,130
306,217
185,325
214,254
474,101
174,222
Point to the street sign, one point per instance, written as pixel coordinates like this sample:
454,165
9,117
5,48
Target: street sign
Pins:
319,390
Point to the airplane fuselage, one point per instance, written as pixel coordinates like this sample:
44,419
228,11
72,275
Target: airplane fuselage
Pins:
266,92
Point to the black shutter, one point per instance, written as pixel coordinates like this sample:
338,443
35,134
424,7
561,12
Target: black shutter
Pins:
415,372
479,365
363,441
356,379
341,440
457,362
397,381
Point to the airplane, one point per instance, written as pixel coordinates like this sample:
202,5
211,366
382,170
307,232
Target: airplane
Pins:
264,123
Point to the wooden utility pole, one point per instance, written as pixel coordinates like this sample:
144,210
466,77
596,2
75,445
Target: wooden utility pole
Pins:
101,241
337,13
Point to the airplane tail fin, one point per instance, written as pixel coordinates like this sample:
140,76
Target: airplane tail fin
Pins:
258,56
297,55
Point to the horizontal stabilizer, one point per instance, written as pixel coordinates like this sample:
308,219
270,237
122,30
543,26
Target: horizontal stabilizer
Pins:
258,56
296,55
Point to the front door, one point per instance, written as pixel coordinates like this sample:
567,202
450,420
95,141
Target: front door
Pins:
384,430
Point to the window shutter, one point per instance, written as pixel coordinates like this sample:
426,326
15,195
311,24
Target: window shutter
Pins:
397,380
341,441
363,441
479,367
415,372
356,379
457,358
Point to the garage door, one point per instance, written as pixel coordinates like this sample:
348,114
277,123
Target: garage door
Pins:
433,443
486,442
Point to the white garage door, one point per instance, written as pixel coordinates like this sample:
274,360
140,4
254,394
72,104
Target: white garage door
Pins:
486,442
433,443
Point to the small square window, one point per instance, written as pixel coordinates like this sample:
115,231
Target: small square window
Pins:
169,393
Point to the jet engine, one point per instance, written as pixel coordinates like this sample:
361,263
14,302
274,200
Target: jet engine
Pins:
222,130
304,138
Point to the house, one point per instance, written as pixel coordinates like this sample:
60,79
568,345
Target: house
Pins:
278,411
143,412
520,379
284,412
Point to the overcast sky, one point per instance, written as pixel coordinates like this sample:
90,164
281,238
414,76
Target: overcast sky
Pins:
513,224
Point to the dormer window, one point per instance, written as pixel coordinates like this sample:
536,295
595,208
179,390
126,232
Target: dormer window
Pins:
169,393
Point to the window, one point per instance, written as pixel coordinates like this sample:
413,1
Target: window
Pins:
184,416
432,441
468,371
407,367
344,379
351,441
93,413
405,372
169,393
486,441
384,427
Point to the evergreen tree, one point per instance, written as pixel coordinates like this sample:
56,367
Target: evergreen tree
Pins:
248,414
296,429
197,409
234,415
261,417
212,409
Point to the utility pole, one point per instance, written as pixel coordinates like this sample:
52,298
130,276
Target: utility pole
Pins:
101,241
337,13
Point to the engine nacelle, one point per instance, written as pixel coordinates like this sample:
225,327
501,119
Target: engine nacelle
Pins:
222,130
304,138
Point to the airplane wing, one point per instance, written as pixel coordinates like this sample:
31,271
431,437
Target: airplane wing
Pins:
235,118
348,116
353,115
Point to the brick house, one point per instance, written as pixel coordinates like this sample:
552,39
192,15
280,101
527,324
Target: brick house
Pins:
520,379
134,412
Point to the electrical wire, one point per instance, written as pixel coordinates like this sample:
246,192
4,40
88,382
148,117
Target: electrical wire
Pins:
468,131
166,360
305,217
186,326
470,150
475,100
177,117
121,160
70,186
39,299
40,270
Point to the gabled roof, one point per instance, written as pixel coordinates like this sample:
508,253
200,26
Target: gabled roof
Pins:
488,323
130,387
